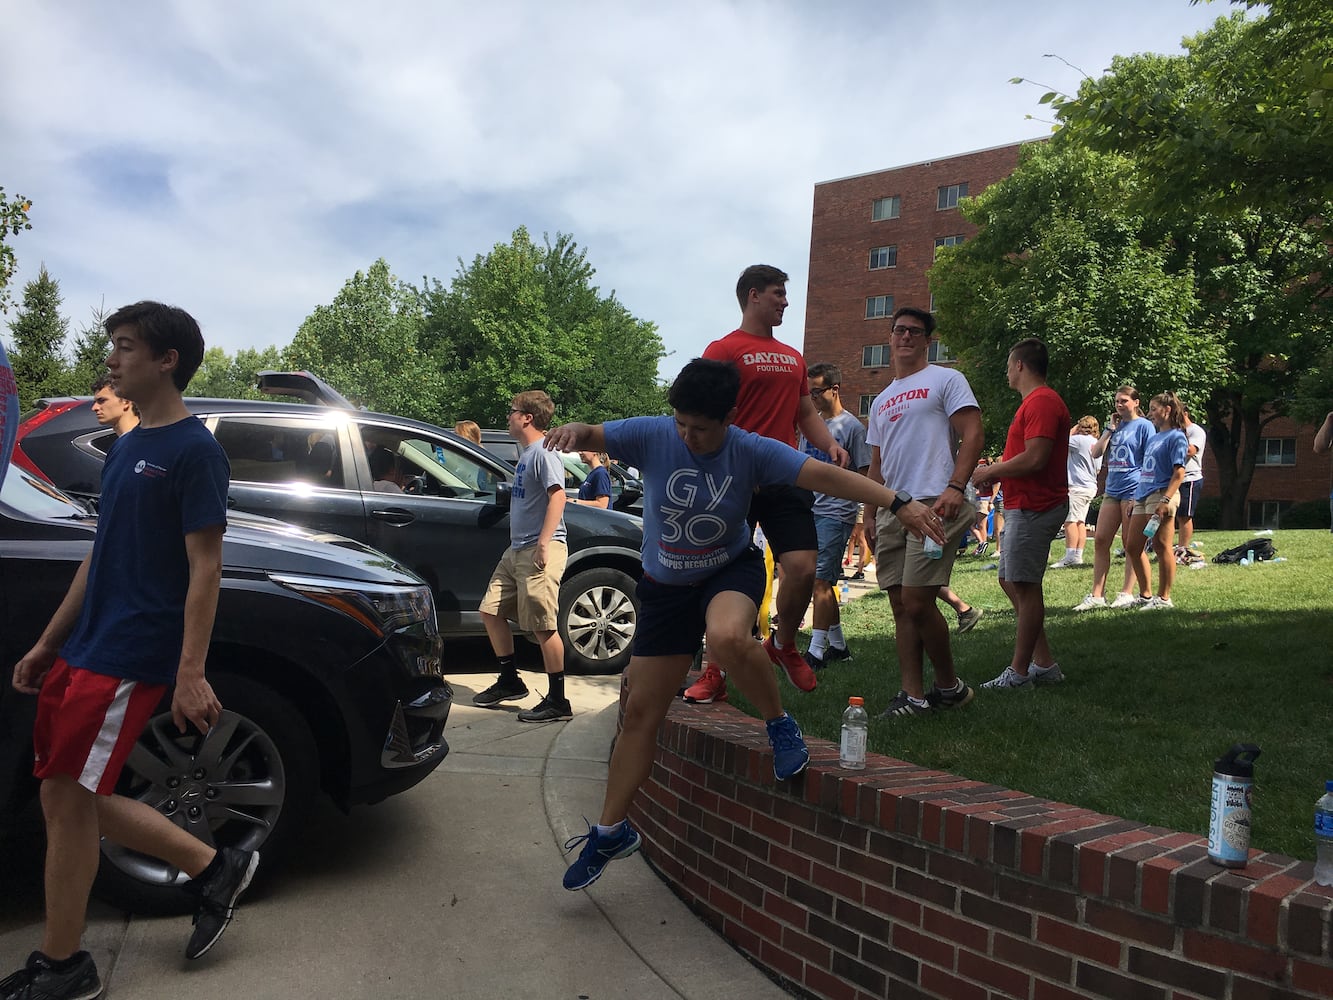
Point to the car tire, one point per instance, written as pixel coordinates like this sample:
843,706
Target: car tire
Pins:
599,614
268,773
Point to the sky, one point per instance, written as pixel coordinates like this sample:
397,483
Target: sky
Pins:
243,159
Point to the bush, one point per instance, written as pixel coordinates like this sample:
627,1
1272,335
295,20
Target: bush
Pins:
1310,514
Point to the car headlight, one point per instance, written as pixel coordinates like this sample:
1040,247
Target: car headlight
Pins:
381,607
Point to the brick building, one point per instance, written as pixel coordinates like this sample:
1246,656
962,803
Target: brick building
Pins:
873,237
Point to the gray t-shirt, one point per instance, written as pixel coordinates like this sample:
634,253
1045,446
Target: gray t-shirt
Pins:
538,471
850,433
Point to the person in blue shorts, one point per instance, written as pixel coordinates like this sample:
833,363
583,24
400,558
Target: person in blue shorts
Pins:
701,573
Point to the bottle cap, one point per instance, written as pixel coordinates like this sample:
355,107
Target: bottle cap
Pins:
1238,761
861,701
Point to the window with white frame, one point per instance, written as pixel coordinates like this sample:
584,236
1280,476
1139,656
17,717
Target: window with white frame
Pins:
863,409
882,257
1267,513
948,196
885,208
939,351
946,241
1276,451
875,356
879,306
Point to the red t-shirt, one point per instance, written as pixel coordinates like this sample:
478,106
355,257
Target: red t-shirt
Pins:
772,383
1042,414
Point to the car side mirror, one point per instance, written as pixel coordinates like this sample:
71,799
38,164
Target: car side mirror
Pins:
504,495
629,495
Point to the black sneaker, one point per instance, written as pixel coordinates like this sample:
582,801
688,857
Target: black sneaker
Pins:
833,653
902,707
957,698
548,711
817,663
501,690
38,981
217,898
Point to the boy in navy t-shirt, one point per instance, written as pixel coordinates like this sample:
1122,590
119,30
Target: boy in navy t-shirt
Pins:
111,652
701,573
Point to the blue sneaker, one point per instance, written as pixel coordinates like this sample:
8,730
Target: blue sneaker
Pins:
599,850
789,751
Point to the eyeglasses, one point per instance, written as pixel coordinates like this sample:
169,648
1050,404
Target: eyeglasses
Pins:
824,389
908,331
513,411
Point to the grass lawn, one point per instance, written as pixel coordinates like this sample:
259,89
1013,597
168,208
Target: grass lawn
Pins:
1150,699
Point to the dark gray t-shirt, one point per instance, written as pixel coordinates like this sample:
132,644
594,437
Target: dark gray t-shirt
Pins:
538,471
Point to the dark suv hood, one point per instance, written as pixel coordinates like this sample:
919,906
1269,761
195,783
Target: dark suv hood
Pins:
265,545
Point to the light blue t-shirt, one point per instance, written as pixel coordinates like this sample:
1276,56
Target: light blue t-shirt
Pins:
538,471
694,506
1166,449
1124,456
850,433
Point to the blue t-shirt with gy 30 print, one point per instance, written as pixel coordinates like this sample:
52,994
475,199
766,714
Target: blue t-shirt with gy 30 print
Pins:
694,506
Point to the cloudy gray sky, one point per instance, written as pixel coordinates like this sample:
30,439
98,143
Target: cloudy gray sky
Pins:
243,158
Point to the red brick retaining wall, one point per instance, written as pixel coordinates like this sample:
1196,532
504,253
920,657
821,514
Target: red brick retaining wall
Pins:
899,881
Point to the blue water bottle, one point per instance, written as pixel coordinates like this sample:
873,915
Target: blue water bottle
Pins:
1230,818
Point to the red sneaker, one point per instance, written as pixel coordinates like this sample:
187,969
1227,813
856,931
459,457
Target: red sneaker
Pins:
790,660
711,686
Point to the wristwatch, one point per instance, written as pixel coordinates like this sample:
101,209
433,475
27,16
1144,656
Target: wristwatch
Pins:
901,499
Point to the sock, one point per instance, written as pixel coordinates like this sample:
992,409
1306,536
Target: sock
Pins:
835,638
818,642
1074,555
605,831
922,702
508,669
954,689
556,691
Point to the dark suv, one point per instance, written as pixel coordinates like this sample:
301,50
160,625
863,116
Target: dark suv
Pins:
308,464
325,655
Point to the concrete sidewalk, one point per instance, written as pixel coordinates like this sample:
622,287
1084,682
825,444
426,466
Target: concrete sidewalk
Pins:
451,889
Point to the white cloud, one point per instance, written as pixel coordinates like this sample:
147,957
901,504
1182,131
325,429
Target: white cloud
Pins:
243,159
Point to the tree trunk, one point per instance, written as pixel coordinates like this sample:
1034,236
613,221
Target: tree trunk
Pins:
1233,435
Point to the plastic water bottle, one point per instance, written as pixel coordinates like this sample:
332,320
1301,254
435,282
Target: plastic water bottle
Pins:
1323,832
844,593
855,730
1249,557
1151,527
932,548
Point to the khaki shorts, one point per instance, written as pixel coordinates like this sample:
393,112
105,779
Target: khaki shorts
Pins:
899,560
1079,502
522,592
1148,505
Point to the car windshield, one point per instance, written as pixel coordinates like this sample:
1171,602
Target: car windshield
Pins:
36,497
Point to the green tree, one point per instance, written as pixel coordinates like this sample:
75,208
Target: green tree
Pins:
526,316
366,345
1059,255
88,364
223,376
13,220
39,333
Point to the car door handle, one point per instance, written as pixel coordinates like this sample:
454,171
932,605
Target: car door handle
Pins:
394,515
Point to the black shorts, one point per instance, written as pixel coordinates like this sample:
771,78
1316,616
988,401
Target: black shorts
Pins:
784,514
672,617
1189,498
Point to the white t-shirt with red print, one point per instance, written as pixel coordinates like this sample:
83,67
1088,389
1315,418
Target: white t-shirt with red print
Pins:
909,423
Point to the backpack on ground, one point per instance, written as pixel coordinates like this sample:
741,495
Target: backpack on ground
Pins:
1262,548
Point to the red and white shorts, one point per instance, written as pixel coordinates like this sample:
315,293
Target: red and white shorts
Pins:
87,723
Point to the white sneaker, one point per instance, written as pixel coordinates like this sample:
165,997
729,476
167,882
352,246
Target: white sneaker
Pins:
1045,675
1090,603
1156,603
1061,563
1010,680
1126,601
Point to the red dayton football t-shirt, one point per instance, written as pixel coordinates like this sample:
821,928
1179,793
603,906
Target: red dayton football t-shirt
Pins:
772,383
1042,414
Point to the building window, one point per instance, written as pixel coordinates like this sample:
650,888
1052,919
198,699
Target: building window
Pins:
948,196
879,306
1276,451
863,410
885,208
882,257
947,241
875,356
1267,513
939,351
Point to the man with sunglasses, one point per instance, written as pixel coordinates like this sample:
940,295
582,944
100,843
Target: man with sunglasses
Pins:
834,517
913,424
